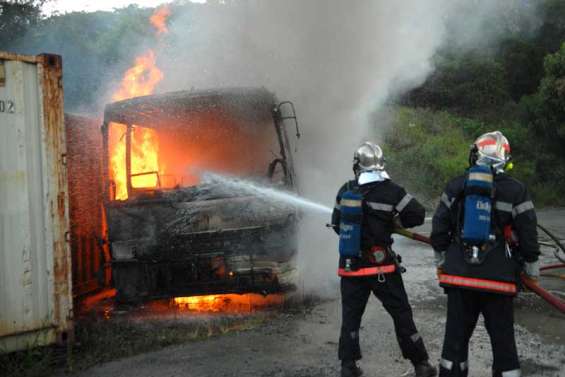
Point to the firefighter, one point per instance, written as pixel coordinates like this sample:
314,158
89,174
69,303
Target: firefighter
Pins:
480,217
373,266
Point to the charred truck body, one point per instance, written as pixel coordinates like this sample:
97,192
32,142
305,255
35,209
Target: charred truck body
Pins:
169,232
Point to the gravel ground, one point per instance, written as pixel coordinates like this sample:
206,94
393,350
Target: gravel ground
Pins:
305,344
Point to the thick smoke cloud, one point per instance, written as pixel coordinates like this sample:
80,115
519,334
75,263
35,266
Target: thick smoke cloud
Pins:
338,61
483,24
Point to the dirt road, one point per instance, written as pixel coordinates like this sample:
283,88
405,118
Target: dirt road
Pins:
305,344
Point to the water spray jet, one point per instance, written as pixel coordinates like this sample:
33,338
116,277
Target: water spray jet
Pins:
253,188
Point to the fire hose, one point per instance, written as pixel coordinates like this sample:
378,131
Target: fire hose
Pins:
559,245
529,283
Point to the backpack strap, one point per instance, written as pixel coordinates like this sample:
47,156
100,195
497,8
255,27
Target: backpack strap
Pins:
495,220
460,205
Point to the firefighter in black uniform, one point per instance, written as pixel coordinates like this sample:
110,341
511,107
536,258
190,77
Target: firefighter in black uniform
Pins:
487,283
377,268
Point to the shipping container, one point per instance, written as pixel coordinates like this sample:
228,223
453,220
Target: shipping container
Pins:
35,260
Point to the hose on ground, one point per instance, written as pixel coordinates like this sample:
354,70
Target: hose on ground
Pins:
553,267
529,283
560,249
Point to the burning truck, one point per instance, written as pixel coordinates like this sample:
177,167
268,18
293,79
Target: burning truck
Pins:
171,233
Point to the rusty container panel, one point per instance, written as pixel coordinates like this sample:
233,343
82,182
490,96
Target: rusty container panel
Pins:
35,263
90,256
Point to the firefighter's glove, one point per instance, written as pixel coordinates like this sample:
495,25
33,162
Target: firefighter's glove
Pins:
532,269
439,257
397,223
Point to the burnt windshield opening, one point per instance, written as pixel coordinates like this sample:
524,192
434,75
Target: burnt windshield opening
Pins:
165,153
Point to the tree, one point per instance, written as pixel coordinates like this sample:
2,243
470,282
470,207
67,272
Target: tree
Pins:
466,83
546,109
552,32
97,47
544,112
16,17
522,61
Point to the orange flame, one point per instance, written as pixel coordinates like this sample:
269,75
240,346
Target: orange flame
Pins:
140,80
159,19
248,151
233,303
144,158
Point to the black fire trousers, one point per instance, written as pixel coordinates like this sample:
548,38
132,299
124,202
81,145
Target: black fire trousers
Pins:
463,309
355,292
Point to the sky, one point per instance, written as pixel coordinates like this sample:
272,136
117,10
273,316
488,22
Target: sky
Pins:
64,6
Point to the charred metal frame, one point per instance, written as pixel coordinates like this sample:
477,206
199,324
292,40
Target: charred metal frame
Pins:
208,251
284,143
283,139
129,187
105,165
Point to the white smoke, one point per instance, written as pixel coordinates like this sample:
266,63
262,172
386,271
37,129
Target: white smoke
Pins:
337,60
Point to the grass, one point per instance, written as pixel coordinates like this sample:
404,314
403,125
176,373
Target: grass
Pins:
29,363
425,149
98,340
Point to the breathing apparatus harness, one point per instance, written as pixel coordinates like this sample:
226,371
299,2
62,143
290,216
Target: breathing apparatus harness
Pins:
479,230
350,226
350,236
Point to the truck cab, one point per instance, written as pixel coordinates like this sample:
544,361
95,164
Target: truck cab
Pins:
172,232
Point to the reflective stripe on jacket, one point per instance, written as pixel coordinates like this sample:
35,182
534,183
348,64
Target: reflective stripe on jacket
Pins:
368,271
479,284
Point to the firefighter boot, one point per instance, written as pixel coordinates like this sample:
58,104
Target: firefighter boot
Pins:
350,369
424,369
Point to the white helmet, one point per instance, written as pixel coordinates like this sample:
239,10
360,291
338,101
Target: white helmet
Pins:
491,149
368,157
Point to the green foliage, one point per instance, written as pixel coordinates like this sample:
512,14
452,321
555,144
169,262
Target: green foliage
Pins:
426,148
552,32
468,83
16,17
544,114
488,80
93,46
32,362
516,85
548,114
522,64
100,340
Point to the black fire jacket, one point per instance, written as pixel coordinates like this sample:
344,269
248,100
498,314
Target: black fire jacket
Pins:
512,206
381,202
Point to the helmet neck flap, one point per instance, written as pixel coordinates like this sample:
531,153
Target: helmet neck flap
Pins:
367,177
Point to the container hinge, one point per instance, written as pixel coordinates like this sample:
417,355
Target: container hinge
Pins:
68,236
2,74
64,159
